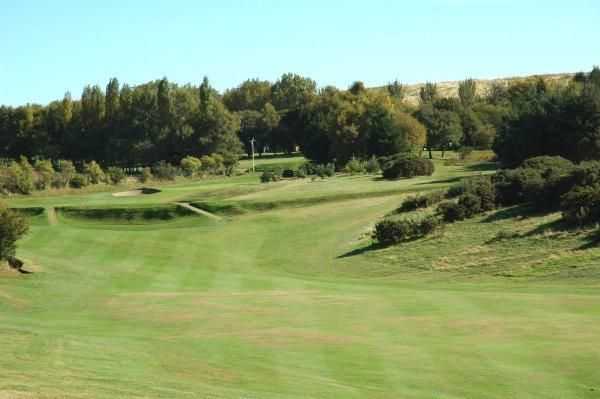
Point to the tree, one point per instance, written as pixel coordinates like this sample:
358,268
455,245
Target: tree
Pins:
94,171
357,88
252,95
396,90
163,100
12,227
190,166
112,101
443,128
428,93
467,92
293,92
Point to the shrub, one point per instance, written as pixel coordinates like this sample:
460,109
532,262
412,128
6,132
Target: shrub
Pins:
190,166
544,163
115,175
482,187
165,171
389,232
145,175
325,170
372,166
405,166
18,177
94,172
12,227
471,205
421,201
66,170
451,212
289,173
79,181
581,205
269,176
455,191
44,174
354,166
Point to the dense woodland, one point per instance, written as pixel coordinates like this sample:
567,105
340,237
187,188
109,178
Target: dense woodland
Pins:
163,121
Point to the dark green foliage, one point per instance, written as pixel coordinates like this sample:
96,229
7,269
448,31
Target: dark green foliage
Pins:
270,176
421,201
471,204
79,181
164,171
545,163
372,166
540,181
127,215
455,191
406,166
581,205
482,187
13,226
451,212
115,175
389,232
289,173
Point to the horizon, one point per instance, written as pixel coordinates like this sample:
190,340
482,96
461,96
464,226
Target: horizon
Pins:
64,54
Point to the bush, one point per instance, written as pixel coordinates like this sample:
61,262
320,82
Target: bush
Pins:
115,175
146,175
66,171
451,212
289,173
455,191
544,163
269,176
12,227
422,201
18,177
581,205
372,166
94,172
354,166
165,171
79,181
44,174
471,205
324,170
389,232
482,187
190,166
403,166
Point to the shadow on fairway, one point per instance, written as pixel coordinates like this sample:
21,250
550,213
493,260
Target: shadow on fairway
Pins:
359,251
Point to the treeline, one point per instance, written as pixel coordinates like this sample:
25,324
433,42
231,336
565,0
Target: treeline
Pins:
23,177
141,125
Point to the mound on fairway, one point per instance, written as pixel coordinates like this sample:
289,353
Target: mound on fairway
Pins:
126,215
136,192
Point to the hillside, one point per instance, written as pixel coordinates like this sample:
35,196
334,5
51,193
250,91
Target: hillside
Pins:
450,88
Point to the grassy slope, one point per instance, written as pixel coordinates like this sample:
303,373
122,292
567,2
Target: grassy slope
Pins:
284,304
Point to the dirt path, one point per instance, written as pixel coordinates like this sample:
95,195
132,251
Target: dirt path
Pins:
198,210
52,219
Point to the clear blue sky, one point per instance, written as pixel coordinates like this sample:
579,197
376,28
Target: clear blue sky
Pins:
49,47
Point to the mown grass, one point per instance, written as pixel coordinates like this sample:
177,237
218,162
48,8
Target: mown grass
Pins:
288,303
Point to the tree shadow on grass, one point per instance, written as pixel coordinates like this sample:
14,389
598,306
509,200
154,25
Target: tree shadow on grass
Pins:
374,246
520,211
482,167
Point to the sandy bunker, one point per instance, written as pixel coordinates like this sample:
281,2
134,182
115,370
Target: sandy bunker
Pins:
139,191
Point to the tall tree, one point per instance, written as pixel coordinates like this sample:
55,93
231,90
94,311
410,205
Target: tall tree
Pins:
467,92
112,101
428,93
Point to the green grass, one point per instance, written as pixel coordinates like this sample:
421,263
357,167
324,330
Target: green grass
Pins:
293,303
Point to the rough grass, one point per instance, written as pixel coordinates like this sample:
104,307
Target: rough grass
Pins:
292,303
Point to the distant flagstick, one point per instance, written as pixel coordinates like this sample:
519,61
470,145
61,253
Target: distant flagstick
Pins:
252,144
